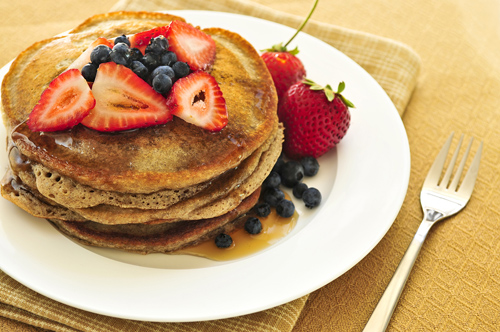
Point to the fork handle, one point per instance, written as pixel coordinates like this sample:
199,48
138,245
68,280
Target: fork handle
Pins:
382,314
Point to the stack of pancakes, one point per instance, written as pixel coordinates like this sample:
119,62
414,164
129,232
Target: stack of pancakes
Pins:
155,189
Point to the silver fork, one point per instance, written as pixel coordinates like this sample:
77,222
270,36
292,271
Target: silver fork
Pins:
439,200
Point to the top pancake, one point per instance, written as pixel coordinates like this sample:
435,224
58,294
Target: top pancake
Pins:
170,156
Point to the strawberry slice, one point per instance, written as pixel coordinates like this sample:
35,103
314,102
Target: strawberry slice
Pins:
124,101
63,105
84,58
197,99
141,40
191,45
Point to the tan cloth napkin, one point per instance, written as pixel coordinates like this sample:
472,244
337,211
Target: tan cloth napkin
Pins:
455,284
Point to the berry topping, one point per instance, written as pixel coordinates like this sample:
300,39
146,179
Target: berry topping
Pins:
292,173
122,39
120,54
166,70
135,54
299,189
162,83
141,40
223,240
84,58
124,101
311,197
316,118
191,45
311,166
181,69
100,54
262,209
64,104
285,208
89,71
253,225
168,59
151,61
279,165
139,69
197,99
273,196
157,45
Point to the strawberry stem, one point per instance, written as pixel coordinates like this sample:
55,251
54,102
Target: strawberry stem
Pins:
303,23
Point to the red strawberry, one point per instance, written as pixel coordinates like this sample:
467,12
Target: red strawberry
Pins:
283,65
65,102
124,101
141,40
84,58
285,68
316,118
197,99
191,45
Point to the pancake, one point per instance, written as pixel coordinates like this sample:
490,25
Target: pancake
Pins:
171,156
154,189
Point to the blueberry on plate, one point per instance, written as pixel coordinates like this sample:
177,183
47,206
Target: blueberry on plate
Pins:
253,225
311,166
285,208
292,173
272,180
299,189
279,165
223,240
273,195
263,209
311,197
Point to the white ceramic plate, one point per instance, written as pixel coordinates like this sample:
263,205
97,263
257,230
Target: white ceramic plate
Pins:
363,181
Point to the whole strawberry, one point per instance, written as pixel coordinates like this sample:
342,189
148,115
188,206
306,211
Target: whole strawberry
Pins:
316,118
283,65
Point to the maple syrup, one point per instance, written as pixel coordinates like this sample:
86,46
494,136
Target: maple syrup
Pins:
274,228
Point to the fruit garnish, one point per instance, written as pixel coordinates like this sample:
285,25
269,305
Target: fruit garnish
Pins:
124,101
316,118
65,102
191,45
283,65
197,99
141,40
84,58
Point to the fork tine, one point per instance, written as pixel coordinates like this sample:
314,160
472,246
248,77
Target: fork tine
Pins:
434,174
454,184
449,170
470,178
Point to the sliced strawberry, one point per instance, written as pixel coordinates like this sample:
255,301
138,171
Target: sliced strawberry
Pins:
64,104
124,101
197,99
84,58
191,45
141,40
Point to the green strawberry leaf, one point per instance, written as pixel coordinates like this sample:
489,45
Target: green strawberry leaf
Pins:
329,93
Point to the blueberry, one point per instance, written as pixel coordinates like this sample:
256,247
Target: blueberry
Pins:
162,83
163,70
157,45
151,61
291,173
285,208
139,69
118,57
135,54
263,209
273,195
253,225
272,180
168,58
121,48
181,69
278,166
100,54
311,166
89,71
122,39
311,197
299,189
223,240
